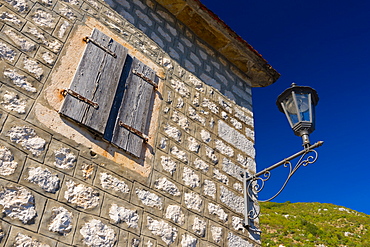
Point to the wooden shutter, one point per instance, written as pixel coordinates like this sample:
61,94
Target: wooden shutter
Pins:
90,97
133,115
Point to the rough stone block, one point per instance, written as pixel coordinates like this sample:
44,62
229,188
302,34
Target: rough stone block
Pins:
162,143
28,138
165,232
235,240
148,242
191,178
166,186
134,240
235,138
67,11
122,214
59,222
232,169
19,80
180,104
237,224
47,3
175,213
113,184
217,213
14,102
197,116
33,67
11,18
220,177
20,6
172,132
42,179
197,225
231,182
85,170
81,196
87,8
74,3
43,18
62,29
93,231
95,4
167,165
21,206
209,188
12,161
187,238
224,148
193,144
210,155
232,200
183,121
217,233
8,52
244,115
45,56
180,87
193,201
201,165
21,237
238,187
62,157
150,200
179,153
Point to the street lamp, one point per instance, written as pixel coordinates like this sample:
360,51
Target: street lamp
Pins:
298,103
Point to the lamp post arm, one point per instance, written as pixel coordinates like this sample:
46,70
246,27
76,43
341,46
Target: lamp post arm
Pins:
283,162
255,183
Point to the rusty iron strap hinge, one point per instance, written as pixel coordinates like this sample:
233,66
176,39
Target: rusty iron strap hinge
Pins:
80,97
135,131
88,39
148,80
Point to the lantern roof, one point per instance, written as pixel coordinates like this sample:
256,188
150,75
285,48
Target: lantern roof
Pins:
297,89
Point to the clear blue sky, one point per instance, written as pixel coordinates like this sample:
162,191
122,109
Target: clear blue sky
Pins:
326,45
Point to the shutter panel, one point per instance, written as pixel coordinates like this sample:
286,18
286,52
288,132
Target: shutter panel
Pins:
134,112
96,80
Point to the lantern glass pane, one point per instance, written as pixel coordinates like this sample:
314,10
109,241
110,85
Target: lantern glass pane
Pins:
291,110
303,104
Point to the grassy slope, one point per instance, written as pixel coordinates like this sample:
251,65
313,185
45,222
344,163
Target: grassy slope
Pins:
312,224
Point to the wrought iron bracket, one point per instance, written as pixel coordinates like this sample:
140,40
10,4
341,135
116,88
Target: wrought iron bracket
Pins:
253,184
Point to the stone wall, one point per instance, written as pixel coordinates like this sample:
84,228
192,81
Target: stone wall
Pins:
60,185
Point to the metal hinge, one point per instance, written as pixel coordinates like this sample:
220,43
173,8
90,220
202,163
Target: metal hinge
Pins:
88,39
148,80
135,131
80,97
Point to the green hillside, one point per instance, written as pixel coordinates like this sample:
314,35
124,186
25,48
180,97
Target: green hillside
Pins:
313,224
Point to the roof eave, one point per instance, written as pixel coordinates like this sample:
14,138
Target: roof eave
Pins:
211,29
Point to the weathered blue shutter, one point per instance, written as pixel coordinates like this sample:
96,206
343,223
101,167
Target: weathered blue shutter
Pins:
90,97
132,122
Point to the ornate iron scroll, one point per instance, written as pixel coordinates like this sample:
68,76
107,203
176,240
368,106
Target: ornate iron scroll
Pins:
255,183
